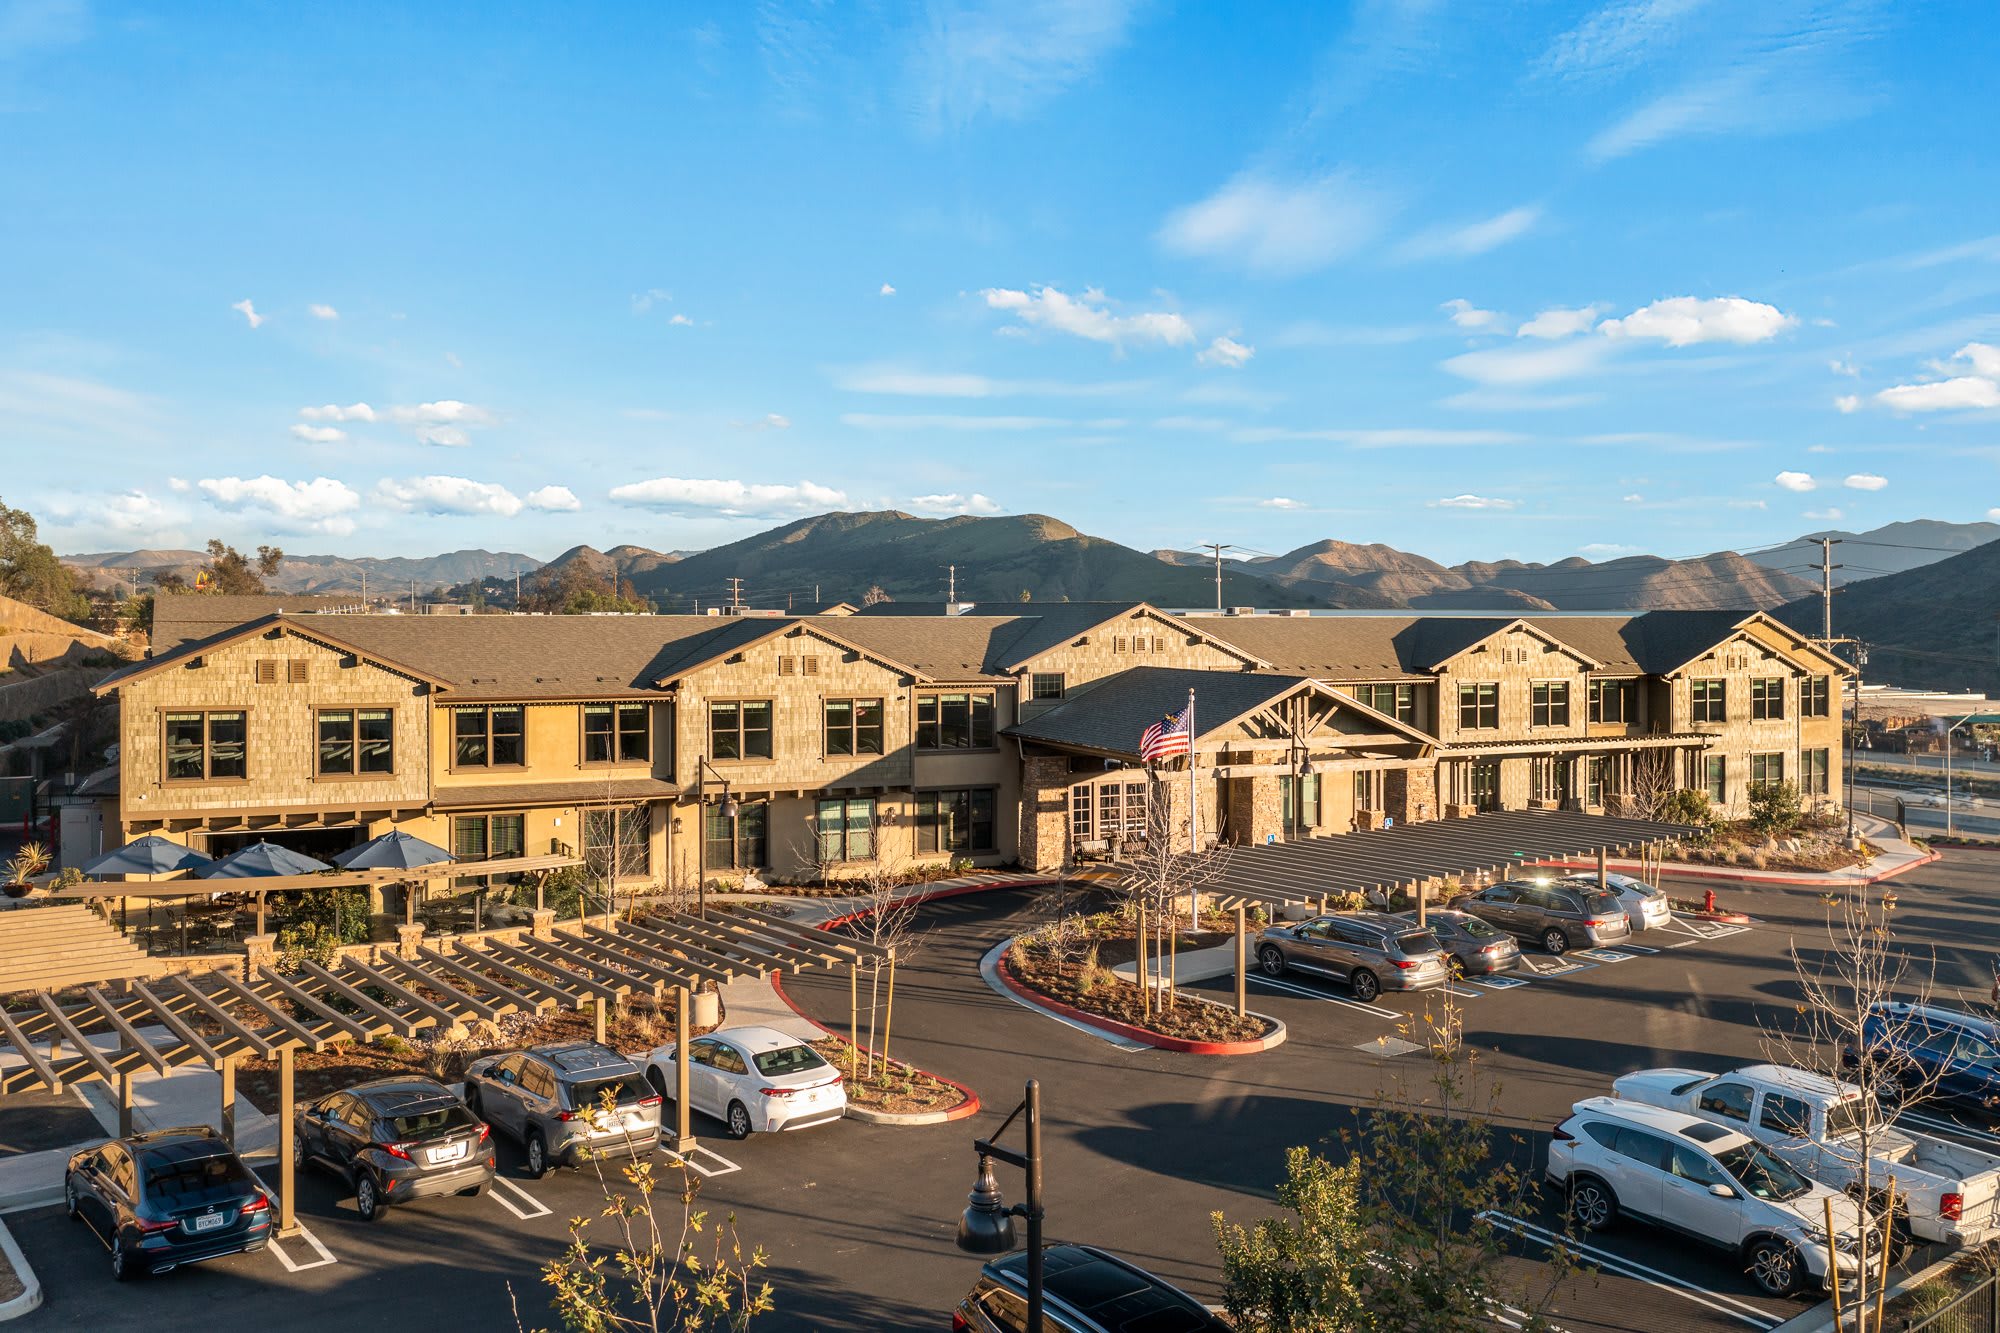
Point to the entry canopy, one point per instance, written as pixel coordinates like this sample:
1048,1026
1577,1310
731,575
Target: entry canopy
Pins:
1508,841
150,855
395,850
261,859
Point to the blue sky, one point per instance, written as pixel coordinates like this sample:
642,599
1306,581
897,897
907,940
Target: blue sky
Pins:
1472,280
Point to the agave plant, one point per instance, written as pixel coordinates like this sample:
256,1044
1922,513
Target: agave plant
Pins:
29,861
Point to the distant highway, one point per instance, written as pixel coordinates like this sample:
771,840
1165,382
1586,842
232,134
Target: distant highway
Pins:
1981,820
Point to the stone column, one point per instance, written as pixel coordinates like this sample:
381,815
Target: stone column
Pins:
542,923
408,940
259,951
1045,786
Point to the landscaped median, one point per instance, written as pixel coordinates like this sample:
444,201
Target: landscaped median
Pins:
1067,969
882,1091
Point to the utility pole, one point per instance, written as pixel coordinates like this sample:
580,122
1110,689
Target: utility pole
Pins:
951,585
1218,548
736,593
1826,568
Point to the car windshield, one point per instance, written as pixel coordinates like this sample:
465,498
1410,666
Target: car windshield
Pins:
1413,942
1595,901
180,1181
625,1089
1762,1175
788,1060
1856,1115
429,1120
1475,927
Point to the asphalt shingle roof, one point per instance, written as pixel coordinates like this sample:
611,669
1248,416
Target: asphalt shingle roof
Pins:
180,618
1111,714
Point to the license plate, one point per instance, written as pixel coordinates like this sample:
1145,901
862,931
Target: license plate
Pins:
449,1153
208,1222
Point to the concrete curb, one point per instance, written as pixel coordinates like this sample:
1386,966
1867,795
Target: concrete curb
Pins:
968,1106
1157,1040
31,1286
1819,1319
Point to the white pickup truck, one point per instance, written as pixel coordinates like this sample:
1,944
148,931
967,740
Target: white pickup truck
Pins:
1944,1192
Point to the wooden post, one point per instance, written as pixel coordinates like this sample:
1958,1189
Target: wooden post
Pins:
260,913
1602,857
888,1011
287,1220
597,1019
1242,961
228,1072
1417,888
1140,972
124,1103
1888,1224
853,1015
683,1128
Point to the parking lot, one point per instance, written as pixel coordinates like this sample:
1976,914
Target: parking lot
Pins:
1141,1146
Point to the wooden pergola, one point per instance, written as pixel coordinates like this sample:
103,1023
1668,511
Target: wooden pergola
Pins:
215,1019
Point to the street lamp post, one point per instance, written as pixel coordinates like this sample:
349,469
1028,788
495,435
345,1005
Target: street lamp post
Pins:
987,1226
729,812
1948,825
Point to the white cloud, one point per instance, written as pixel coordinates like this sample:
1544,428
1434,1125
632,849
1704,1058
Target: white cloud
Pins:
1469,316
652,296
728,497
1279,228
682,320
447,495
1847,404
445,437
772,421
1473,238
1952,395
1391,438
333,412
947,421
954,503
323,312
1683,321
1089,316
1993,515
1556,322
1606,549
887,290
1795,481
319,434
1005,58
179,485
248,311
1984,358
894,380
554,499
445,410
441,423
1746,504
1508,366
1842,366
1865,481
1826,515
1473,502
1615,37
1281,502
321,505
1226,352
1634,499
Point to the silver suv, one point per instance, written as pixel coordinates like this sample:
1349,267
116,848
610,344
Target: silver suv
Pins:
550,1099
1370,951
1559,917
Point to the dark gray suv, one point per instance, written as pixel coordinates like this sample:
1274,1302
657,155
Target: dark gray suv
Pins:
1084,1290
1370,951
550,1099
1559,917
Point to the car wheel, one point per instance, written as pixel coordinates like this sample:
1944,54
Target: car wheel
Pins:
298,1150
1592,1205
367,1199
1364,985
122,1267
538,1155
1555,941
1271,960
1776,1267
69,1198
739,1121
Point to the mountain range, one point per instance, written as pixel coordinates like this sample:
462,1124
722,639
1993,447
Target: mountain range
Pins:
134,571
1890,549
1933,627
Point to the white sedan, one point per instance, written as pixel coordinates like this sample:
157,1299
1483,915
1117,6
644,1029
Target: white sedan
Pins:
753,1079
1645,906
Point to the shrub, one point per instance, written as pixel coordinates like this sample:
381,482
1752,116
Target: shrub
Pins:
339,916
1760,861
391,1043
1774,807
307,941
1688,806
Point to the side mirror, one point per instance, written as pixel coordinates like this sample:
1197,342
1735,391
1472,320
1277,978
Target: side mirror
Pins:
1721,1191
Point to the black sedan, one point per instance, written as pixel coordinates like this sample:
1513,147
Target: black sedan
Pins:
395,1140
166,1198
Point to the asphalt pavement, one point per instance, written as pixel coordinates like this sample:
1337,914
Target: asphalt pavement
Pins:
857,1219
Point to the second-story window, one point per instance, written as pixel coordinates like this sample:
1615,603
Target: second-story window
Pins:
206,746
1767,698
739,729
1045,685
489,737
1708,701
356,740
1479,706
1815,696
1614,701
853,727
1548,703
617,734
1398,701
958,721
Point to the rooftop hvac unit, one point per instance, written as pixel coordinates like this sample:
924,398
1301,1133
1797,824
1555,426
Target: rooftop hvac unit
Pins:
1295,612
1242,610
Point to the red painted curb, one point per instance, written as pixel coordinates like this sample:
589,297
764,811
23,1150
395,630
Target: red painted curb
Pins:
956,891
1738,874
1155,1039
970,1106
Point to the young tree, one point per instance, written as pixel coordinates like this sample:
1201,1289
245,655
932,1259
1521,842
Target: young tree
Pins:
1774,807
1845,1028
875,596
1163,874
30,571
231,572
1408,1233
886,916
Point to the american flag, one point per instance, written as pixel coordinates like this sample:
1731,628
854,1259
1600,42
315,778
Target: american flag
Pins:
1167,737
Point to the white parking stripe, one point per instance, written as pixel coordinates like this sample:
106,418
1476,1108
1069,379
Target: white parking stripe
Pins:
305,1234
1720,1302
1296,989
722,1168
502,1183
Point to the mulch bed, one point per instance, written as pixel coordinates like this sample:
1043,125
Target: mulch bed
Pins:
10,1284
898,1088
1101,993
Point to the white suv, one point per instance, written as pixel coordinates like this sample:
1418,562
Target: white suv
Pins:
1704,1180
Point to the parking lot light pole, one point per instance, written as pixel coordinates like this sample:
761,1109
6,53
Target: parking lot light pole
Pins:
987,1225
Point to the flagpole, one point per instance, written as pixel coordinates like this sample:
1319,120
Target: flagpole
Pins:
1194,821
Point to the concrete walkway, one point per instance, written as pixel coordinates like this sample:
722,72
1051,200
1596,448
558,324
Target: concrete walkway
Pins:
1896,854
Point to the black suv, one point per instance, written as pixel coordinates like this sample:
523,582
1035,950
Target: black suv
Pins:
395,1140
167,1198
1084,1290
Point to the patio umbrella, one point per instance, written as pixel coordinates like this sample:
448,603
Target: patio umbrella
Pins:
392,851
262,859
150,855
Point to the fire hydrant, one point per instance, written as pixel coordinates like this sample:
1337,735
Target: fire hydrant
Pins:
1708,900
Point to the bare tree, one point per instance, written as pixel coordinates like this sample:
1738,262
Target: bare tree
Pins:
883,914
1162,874
1860,995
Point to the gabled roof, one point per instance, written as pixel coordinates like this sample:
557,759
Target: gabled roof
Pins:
1055,626
194,648
1670,640
182,617
740,635
1109,717
1445,638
